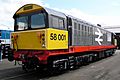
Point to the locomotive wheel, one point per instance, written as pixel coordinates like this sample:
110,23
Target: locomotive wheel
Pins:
25,68
31,65
50,68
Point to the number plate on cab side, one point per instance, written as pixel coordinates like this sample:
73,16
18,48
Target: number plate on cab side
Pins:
56,39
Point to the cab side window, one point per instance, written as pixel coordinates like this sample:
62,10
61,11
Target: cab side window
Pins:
57,22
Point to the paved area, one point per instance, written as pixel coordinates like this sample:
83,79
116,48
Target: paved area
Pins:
5,64
106,69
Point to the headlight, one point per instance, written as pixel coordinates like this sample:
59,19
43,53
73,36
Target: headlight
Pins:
43,40
43,45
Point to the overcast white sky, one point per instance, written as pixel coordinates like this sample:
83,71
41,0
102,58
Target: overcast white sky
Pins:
104,12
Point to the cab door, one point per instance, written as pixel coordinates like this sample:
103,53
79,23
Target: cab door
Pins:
69,27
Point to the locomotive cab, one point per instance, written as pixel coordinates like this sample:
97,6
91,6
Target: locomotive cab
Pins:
38,28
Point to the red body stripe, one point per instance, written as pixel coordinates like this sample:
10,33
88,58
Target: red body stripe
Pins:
43,55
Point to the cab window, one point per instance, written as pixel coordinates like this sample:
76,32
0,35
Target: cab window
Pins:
30,21
37,21
22,23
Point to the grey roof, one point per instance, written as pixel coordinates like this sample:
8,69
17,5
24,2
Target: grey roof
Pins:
56,13
115,29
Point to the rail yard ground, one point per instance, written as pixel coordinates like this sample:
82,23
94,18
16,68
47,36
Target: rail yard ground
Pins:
105,69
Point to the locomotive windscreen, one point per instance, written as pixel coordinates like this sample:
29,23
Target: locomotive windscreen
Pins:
30,21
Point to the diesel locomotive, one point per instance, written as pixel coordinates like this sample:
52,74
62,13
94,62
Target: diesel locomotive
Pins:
45,38
5,42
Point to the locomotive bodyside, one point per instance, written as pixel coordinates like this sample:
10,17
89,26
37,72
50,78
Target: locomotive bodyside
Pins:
85,34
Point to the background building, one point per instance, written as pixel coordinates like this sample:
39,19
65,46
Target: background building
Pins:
116,30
